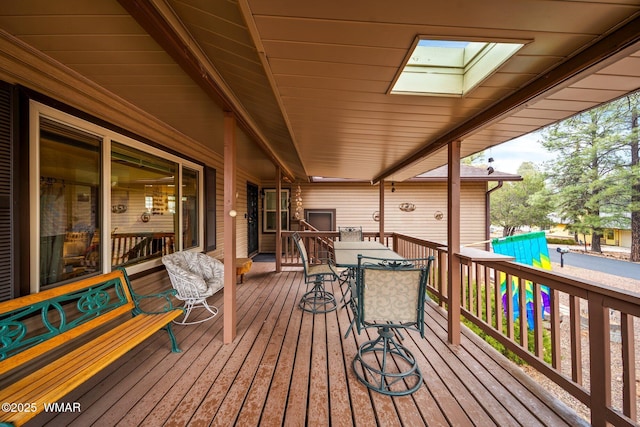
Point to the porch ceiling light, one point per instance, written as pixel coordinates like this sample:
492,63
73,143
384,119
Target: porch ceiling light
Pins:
450,67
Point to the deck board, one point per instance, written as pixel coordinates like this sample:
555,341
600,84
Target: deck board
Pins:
290,367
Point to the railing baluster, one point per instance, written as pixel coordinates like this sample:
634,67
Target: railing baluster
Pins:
575,328
465,286
478,286
537,316
556,350
498,298
510,308
629,405
487,295
524,326
442,277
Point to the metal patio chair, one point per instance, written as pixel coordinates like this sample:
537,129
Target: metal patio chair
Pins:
318,299
391,296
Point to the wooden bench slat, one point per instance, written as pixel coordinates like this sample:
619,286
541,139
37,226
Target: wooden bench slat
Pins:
34,352
128,334
57,379
125,336
125,305
60,290
41,325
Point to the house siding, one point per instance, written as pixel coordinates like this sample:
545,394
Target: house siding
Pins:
355,204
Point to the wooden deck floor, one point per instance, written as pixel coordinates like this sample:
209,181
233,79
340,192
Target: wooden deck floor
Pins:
289,367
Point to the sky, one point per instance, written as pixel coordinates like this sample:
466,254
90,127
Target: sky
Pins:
509,156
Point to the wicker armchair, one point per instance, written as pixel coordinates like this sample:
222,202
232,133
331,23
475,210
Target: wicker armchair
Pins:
196,276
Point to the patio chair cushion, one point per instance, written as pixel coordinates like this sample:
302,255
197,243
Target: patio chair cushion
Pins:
194,270
391,295
316,269
350,234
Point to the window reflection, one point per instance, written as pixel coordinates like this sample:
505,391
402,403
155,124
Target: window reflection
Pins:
143,191
189,208
69,203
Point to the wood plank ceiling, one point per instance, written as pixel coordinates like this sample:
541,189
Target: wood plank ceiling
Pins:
310,80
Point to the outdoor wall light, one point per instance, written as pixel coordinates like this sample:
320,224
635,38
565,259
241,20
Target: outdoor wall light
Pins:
233,213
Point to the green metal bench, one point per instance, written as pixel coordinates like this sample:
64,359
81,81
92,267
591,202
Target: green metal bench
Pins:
35,329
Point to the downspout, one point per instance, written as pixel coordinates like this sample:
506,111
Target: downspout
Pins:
487,215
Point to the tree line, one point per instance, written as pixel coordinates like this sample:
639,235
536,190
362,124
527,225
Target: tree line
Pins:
593,182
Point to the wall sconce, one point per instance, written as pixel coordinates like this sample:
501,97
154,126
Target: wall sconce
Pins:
233,213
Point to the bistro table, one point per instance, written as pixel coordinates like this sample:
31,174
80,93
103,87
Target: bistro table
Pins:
346,253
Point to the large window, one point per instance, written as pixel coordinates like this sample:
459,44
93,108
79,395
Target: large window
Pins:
100,199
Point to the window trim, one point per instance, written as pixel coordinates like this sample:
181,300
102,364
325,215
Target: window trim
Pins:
38,110
283,192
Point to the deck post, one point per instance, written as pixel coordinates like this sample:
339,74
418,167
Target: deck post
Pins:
381,212
453,242
229,222
278,220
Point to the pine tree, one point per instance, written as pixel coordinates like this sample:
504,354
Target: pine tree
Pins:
596,173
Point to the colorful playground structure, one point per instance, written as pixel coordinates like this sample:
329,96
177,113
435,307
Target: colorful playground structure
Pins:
530,249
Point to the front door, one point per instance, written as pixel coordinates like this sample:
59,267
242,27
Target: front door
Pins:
252,219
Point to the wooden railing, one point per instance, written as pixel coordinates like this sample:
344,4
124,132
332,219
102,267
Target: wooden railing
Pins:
580,312
319,245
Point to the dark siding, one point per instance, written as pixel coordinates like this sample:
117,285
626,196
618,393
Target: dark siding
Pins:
210,205
6,161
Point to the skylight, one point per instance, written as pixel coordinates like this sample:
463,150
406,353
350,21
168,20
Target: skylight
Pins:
450,67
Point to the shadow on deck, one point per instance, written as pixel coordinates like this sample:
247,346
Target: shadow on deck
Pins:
290,367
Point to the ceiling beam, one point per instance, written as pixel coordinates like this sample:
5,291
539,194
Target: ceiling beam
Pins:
199,69
600,54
